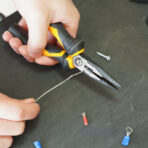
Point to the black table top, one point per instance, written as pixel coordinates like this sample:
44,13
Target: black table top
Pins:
114,27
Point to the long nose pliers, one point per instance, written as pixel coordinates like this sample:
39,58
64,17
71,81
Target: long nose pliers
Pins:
71,55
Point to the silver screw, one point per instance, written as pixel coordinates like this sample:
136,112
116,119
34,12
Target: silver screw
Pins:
108,58
78,62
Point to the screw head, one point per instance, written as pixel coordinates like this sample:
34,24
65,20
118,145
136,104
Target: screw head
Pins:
78,61
108,58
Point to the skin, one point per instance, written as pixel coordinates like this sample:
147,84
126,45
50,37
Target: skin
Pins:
13,114
43,13
36,16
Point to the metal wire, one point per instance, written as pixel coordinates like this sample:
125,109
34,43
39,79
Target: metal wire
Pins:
39,98
129,131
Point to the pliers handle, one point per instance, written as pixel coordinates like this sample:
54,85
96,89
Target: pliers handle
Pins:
70,47
70,54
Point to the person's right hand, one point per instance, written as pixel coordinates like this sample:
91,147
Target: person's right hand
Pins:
13,114
36,17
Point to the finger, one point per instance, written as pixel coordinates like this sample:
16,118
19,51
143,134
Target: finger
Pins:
23,51
23,24
11,128
72,30
7,36
17,110
51,39
71,23
72,27
69,20
30,100
43,60
15,44
38,34
6,141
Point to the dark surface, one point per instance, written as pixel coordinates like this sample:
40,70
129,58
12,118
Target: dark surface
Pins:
115,27
1,17
140,1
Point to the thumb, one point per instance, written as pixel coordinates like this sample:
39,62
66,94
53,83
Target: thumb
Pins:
38,35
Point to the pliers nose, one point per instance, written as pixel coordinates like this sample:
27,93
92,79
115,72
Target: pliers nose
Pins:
93,70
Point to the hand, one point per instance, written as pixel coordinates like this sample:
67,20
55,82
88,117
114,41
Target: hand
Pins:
37,15
13,114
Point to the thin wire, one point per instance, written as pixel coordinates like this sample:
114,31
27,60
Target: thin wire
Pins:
57,85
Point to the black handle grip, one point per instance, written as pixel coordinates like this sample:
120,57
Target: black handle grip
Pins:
70,44
50,51
2,17
19,32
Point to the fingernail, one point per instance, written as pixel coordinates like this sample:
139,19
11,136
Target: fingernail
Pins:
21,51
16,50
4,37
30,100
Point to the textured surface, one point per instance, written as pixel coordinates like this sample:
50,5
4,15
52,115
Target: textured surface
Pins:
116,28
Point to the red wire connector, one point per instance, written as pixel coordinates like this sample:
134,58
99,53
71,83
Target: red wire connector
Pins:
85,119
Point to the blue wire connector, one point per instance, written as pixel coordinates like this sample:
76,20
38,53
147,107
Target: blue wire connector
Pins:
126,139
37,144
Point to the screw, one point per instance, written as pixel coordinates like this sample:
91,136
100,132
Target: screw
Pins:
108,58
78,62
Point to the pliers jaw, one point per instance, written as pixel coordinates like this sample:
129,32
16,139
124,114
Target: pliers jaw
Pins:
93,70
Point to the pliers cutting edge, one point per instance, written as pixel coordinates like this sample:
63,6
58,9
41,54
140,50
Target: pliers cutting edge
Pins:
71,55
